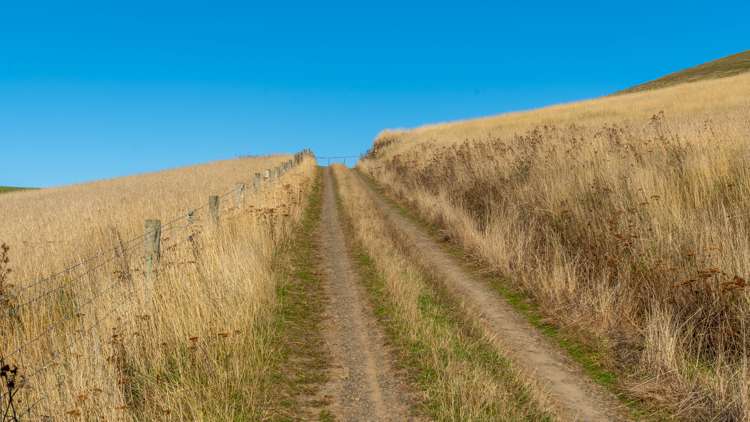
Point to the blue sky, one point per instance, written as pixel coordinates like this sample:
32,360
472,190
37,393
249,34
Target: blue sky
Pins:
101,89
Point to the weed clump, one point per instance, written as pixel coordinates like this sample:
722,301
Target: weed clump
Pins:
9,386
7,299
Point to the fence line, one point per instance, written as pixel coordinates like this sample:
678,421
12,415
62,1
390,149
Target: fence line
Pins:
56,357
60,355
117,251
139,237
52,327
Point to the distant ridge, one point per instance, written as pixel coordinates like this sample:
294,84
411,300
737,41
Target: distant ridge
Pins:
720,68
9,189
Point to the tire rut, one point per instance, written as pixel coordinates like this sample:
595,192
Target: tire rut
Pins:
362,384
571,392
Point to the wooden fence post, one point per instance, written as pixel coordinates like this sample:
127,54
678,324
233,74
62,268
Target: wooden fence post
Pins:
152,244
256,182
240,198
213,208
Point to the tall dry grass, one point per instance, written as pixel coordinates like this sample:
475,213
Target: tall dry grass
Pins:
91,346
627,218
462,378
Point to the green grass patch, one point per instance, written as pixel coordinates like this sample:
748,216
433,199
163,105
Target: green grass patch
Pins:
6,189
302,361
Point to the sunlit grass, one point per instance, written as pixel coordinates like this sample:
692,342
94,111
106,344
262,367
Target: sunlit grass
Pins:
624,219
202,348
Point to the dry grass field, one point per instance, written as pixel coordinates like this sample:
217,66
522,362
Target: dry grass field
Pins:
626,219
92,344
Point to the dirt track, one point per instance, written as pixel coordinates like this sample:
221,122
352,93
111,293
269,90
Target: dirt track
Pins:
572,393
363,385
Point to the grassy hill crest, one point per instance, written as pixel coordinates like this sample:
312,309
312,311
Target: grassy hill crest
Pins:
4,189
720,68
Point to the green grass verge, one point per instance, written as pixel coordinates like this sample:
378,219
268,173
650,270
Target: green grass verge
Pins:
591,357
302,362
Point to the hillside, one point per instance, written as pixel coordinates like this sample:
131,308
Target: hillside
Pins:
4,189
720,68
623,220
174,328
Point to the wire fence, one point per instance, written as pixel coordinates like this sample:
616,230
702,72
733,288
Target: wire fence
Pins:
339,158
20,376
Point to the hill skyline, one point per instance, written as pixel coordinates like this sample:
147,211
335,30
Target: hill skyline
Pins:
94,91
734,64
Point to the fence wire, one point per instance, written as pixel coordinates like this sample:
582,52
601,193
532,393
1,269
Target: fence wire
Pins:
109,255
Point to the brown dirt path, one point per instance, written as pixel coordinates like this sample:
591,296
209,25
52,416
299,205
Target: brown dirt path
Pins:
574,395
363,385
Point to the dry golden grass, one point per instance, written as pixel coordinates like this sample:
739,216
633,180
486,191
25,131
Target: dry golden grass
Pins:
462,378
86,341
625,217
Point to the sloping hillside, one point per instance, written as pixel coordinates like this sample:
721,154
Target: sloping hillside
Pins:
721,68
623,219
4,189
